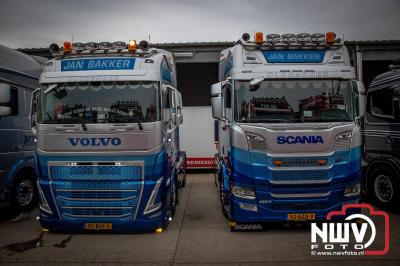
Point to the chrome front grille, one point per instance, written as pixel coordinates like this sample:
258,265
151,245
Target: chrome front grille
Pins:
92,191
300,169
98,170
301,177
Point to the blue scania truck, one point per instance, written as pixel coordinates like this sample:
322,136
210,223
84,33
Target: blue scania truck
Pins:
289,112
107,119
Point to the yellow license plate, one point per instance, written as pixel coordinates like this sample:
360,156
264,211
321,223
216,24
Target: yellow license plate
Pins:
98,226
301,216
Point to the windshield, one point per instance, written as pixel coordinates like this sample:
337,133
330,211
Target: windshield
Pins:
294,101
100,102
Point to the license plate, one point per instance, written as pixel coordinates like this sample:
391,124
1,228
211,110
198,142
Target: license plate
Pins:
98,226
301,216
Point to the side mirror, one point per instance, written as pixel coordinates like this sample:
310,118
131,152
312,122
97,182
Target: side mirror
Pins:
216,101
179,118
173,118
359,90
167,115
34,109
5,99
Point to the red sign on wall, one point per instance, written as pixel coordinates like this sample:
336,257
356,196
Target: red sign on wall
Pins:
199,162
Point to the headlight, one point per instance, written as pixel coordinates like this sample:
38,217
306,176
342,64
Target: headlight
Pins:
151,204
342,141
43,205
245,193
353,190
256,142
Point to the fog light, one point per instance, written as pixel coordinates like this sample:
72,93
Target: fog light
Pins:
352,191
159,230
248,207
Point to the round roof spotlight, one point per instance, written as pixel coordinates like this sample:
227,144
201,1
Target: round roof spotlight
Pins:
54,48
144,45
289,38
303,37
273,38
245,37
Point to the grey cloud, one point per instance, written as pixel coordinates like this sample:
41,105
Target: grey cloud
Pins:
38,23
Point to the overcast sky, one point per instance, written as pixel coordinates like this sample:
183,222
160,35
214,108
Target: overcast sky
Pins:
37,23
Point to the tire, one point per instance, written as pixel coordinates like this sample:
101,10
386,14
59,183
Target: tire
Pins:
384,186
24,191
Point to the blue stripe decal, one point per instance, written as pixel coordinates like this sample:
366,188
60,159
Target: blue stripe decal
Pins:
248,166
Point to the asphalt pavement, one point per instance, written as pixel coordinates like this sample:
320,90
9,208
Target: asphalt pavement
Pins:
199,234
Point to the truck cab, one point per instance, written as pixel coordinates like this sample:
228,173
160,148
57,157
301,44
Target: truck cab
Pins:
382,139
107,129
19,75
289,111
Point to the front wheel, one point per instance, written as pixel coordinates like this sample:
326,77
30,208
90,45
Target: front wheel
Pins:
24,191
385,186
174,197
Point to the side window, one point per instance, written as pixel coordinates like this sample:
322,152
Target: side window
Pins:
11,102
227,92
14,101
381,103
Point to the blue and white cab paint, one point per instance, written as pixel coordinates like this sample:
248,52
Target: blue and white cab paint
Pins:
289,143
108,155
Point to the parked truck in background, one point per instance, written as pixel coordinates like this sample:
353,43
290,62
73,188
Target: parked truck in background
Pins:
382,139
289,111
19,75
107,129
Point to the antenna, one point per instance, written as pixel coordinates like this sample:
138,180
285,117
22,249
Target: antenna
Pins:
149,39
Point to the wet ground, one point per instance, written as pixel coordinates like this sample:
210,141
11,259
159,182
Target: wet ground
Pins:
199,234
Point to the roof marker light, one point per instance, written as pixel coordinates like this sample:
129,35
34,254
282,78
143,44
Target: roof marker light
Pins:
330,37
259,37
67,47
132,47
